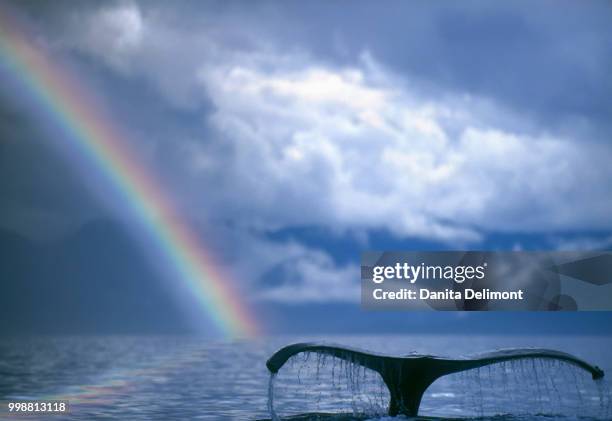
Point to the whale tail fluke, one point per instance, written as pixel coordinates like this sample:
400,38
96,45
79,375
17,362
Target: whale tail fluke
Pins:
407,377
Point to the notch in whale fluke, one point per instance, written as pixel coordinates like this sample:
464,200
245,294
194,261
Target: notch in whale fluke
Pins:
407,377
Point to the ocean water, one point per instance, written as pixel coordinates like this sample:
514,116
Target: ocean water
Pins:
188,377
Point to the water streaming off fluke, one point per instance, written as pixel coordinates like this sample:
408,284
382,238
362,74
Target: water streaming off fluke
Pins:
326,381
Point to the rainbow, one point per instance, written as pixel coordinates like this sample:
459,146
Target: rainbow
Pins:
57,94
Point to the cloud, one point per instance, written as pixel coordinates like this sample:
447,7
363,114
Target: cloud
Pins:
311,276
292,138
284,271
113,33
360,146
138,43
583,243
354,147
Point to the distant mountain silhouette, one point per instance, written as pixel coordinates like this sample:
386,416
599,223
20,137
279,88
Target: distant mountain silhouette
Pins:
94,280
97,280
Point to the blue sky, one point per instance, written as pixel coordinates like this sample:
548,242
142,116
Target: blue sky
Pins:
292,136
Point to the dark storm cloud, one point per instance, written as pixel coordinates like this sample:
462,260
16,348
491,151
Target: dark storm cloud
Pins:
441,121
552,59
549,59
